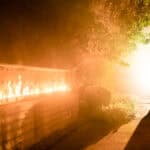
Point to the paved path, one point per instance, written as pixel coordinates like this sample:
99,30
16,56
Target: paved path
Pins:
119,140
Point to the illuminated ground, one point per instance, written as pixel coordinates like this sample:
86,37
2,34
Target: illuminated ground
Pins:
119,140
96,136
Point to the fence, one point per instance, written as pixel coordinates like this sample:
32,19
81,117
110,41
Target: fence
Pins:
27,122
18,81
34,117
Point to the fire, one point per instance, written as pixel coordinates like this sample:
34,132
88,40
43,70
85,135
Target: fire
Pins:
12,90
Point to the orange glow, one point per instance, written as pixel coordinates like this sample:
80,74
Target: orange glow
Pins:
140,68
13,90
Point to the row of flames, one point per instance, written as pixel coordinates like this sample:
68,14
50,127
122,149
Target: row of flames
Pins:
14,90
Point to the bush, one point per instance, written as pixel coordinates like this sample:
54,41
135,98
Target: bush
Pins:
117,112
97,103
93,97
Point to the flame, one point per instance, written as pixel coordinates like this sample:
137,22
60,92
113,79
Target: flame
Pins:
14,90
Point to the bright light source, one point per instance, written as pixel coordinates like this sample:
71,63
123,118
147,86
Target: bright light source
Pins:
140,68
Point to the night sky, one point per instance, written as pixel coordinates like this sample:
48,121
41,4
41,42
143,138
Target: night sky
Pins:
42,32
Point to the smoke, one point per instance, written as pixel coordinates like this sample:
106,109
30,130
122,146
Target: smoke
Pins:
42,33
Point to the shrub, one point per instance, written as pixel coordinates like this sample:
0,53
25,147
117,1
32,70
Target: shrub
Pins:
97,103
119,111
93,97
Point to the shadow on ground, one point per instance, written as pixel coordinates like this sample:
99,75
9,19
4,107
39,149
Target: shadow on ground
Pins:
140,140
77,136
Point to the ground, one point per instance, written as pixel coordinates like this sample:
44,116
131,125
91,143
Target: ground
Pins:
97,135
93,136
124,137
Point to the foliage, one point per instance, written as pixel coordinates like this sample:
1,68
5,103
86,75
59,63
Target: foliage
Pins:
92,98
107,28
121,109
67,29
117,25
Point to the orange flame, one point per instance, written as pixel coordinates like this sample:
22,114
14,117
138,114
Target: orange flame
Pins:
12,90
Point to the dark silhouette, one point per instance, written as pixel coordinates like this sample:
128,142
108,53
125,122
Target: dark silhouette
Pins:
140,140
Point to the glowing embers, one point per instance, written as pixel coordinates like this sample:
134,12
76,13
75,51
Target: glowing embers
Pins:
17,89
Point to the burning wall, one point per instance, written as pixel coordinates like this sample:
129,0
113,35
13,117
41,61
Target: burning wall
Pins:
18,81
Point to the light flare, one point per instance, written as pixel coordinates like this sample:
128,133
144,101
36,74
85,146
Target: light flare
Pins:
140,68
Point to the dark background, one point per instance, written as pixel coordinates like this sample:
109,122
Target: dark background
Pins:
47,33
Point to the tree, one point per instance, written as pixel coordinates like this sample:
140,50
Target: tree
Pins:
113,31
118,24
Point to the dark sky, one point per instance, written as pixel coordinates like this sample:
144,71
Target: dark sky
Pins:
42,32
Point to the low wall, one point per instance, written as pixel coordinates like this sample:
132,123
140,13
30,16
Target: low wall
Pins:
34,103
25,123
17,82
